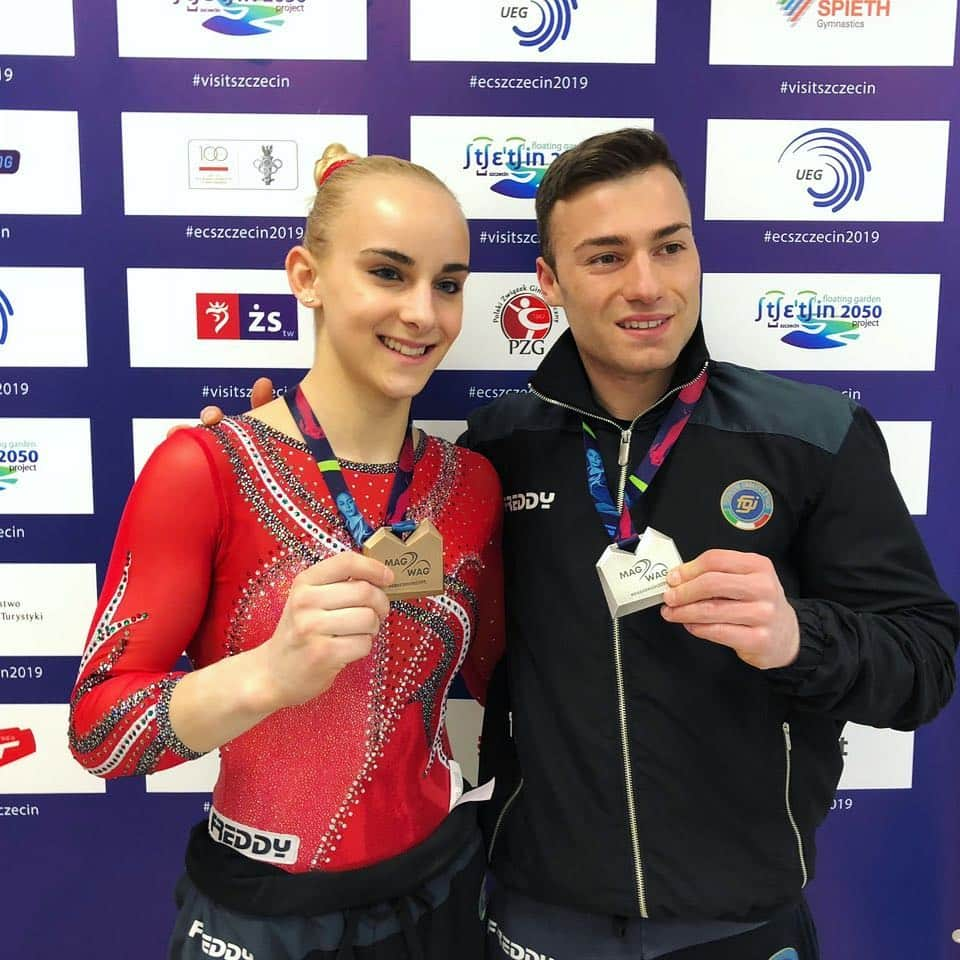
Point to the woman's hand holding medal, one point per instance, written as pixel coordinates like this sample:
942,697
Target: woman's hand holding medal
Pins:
333,612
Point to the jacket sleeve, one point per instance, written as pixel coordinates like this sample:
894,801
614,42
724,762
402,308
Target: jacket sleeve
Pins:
877,634
153,599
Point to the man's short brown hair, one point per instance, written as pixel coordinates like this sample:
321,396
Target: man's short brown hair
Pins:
607,156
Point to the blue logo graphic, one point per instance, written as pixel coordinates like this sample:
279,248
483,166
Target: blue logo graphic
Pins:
515,166
814,322
554,25
788,953
239,19
6,311
747,505
842,159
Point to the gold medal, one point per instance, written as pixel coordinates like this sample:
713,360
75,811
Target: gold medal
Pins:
417,562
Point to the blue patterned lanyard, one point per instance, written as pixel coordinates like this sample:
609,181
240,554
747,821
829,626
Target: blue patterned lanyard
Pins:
329,467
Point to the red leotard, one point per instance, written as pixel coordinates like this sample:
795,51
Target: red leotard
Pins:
217,526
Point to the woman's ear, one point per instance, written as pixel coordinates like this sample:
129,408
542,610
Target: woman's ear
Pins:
302,276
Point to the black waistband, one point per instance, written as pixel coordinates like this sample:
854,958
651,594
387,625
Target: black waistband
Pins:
249,886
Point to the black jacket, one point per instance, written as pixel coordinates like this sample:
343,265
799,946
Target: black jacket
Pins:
639,769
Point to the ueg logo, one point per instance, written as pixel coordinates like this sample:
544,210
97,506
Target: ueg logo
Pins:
525,319
831,12
241,18
529,501
246,316
540,23
813,321
9,161
6,312
646,570
411,564
514,166
15,744
214,947
832,163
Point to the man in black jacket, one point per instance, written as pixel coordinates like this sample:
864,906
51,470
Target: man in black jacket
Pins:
660,775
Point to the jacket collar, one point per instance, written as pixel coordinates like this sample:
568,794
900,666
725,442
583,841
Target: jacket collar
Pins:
561,376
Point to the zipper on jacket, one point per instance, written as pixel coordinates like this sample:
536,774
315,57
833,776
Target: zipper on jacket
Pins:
622,707
623,461
788,747
503,813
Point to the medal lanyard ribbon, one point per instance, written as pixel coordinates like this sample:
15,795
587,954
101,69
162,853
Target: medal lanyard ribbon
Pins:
619,524
329,467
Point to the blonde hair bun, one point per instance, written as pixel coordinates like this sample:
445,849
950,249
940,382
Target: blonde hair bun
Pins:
334,153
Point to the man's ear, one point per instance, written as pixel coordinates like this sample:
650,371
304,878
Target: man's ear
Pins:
548,283
302,276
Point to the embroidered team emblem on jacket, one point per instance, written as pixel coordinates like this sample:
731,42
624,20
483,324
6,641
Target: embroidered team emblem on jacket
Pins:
747,504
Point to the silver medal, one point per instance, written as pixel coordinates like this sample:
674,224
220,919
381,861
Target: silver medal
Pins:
635,579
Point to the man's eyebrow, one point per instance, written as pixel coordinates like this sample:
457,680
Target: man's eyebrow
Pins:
615,240
407,261
671,229
608,241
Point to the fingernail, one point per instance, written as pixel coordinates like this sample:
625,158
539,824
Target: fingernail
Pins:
669,596
673,577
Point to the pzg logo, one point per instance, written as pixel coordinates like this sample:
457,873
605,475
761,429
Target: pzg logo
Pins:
832,164
540,23
410,564
246,316
526,320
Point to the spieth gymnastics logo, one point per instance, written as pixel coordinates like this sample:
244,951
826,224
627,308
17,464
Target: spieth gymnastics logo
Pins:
515,167
6,311
842,165
242,18
793,10
555,19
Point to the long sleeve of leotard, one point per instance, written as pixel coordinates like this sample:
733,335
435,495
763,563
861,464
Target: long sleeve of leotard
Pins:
153,599
487,644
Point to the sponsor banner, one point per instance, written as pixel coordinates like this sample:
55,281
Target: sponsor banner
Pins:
34,756
228,164
45,607
842,170
194,776
243,29
829,321
881,33
45,466
445,429
34,332
507,325
876,759
39,162
553,31
216,318
30,33
908,443
495,164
